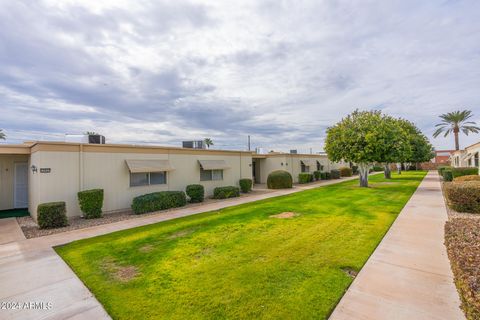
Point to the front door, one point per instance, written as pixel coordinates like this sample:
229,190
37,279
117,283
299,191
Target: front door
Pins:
21,185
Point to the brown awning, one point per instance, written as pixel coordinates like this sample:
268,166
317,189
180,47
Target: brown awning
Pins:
139,166
309,162
213,164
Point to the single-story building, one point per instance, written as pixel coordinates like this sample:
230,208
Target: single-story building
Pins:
37,172
469,157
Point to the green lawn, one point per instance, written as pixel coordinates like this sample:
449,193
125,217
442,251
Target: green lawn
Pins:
239,263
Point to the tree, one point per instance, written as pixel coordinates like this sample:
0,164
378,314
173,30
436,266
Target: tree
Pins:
421,149
208,142
2,135
395,144
455,122
363,137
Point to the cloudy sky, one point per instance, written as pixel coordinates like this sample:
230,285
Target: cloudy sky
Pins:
280,71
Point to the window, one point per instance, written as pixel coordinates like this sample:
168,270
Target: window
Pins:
475,159
305,168
319,166
148,178
210,175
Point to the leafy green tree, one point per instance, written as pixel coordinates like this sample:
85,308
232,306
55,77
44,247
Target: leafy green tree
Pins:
208,142
421,149
455,122
2,135
395,144
363,137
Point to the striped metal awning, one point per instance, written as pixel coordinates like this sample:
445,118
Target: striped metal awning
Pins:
213,164
140,166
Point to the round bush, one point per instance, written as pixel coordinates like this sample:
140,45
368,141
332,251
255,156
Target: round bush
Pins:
463,196
447,175
52,215
226,192
475,177
317,175
245,185
91,203
279,179
335,174
196,192
345,172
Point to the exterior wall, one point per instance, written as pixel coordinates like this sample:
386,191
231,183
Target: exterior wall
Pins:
292,164
7,174
473,150
72,171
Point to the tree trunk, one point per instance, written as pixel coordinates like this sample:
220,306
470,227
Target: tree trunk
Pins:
457,145
399,168
363,177
386,171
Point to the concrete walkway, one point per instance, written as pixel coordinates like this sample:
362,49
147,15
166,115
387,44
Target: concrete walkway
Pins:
408,276
31,271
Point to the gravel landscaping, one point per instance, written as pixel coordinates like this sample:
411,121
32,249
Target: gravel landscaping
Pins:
31,230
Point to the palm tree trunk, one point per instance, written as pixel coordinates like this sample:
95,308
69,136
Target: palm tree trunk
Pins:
457,146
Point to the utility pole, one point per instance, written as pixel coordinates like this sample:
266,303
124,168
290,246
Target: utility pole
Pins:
248,142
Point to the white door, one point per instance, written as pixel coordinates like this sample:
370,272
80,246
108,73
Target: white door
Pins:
21,185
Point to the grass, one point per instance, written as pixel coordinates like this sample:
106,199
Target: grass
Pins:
238,262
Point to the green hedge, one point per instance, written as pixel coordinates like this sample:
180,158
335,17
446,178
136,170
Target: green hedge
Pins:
158,201
226,192
377,168
196,192
335,174
447,175
346,172
279,179
463,196
441,168
464,171
354,169
91,203
317,175
305,177
325,175
52,215
246,185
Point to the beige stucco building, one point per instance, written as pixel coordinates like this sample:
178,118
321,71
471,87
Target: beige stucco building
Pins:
469,157
39,172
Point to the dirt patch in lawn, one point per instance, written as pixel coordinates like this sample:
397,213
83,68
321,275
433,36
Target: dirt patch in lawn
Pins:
285,215
181,233
118,272
146,248
352,273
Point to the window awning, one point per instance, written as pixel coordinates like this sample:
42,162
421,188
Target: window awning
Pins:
468,156
213,164
309,162
140,166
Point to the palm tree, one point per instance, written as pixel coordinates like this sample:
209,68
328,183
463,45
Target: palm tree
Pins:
2,135
208,142
455,122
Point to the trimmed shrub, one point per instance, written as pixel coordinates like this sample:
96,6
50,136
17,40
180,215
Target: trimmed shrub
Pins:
317,175
467,178
447,175
226,192
346,172
335,174
441,168
325,175
52,215
196,192
245,185
377,168
91,203
461,239
158,201
279,179
305,177
463,196
467,171
354,169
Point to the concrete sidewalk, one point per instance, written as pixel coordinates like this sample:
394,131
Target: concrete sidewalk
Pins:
31,271
408,276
